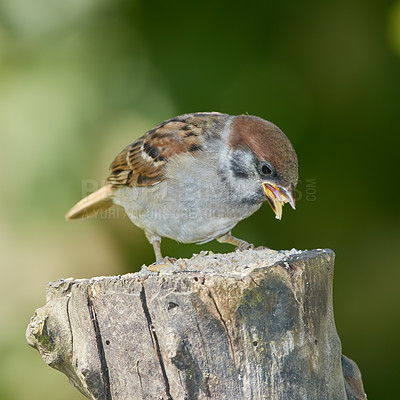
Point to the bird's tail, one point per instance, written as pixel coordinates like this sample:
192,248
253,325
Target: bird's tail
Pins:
99,200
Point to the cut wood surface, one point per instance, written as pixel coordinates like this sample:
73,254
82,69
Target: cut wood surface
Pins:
256,324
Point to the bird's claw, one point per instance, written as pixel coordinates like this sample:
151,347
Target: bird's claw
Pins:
164,260
170,260
249,246
245,246
161,263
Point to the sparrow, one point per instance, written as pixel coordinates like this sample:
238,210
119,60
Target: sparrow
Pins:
193,177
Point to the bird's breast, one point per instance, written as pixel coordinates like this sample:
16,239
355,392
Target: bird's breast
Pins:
186,211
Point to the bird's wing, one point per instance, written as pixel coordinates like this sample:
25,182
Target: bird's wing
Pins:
142,162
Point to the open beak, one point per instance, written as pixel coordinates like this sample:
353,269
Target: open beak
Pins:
277,196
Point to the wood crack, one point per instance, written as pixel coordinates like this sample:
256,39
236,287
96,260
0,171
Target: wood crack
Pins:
138,374
254,281
155,341
70,328
207,375
225,326
100,348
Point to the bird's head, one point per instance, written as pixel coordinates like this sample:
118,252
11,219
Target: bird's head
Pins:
263,162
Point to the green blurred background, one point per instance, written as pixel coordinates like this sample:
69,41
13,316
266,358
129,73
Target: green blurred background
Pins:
80,79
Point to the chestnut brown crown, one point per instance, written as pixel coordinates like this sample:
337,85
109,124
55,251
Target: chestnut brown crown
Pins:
268,143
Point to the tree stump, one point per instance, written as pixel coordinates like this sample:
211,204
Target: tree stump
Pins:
256,324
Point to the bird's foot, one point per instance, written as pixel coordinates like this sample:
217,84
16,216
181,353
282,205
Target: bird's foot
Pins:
250,246
167,259
240,244
245,246
262,248
163,262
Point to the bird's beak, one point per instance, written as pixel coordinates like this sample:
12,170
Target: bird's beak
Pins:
277,196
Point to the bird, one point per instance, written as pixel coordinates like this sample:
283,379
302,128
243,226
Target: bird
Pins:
193,177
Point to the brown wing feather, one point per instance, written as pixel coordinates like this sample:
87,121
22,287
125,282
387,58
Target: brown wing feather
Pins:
142,163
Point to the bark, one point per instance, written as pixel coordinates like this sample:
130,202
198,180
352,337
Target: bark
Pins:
244,325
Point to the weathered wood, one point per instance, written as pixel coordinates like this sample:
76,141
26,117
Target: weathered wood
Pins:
244,325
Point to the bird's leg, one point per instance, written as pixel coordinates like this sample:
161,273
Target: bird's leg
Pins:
157,251
239,243
156,243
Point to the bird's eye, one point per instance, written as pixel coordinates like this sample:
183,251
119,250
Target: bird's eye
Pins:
266,169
